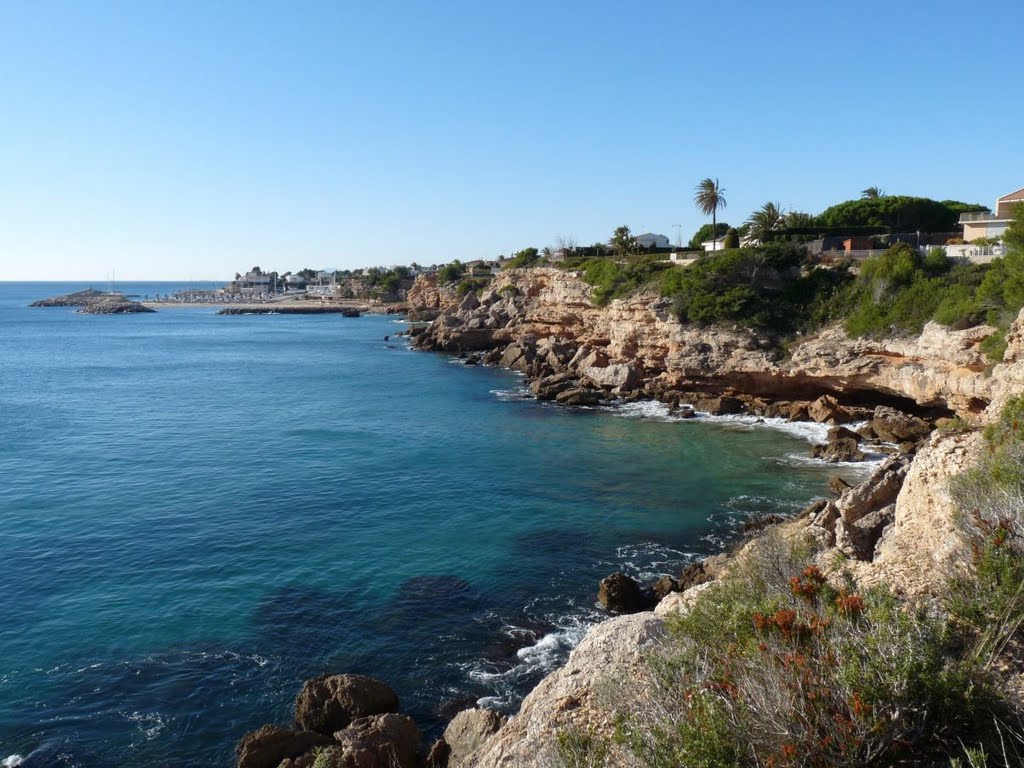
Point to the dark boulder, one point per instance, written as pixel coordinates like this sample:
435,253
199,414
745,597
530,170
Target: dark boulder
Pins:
827,410
843,449
549,387
270,745
692,575
664,586
896,427
719,406
620,593
578,396
330,702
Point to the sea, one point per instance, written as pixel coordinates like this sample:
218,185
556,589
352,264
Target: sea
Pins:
199,512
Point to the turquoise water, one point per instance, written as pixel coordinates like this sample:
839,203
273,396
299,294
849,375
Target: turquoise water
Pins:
199,512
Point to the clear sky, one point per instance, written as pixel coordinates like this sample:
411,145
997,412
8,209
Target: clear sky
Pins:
191,139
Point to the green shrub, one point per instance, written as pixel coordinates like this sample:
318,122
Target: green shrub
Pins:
731,240
449,273
525,258
474,284
774,666
615,278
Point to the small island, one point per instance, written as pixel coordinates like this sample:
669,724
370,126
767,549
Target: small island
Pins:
93,302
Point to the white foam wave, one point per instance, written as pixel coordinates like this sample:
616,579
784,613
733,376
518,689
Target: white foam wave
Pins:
809,431
150,723
643,409
11,761
508,395
649,560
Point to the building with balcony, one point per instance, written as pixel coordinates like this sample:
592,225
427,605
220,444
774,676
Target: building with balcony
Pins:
991,225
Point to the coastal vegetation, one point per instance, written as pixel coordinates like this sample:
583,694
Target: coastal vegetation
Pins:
777,288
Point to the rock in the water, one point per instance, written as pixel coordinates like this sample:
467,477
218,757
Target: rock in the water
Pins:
468,731
578,396
827,410
378,741
843,449
719,406
620,376
620,593
896,427
549,387
268,746
113,304
76,299
330,702
664,586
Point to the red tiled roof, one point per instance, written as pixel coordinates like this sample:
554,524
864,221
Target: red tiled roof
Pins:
1018,195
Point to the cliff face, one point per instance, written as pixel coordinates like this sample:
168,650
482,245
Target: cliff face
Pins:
940,369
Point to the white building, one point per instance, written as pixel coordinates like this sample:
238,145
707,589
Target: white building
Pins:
991,225
649,239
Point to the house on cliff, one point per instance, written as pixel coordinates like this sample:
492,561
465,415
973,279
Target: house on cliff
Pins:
991,225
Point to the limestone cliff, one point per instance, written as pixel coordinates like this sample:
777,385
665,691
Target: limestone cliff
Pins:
941,369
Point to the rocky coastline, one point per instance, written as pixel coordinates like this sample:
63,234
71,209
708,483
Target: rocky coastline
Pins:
918,400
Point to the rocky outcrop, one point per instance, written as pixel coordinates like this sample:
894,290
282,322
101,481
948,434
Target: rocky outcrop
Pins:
270,745
468,732
379,741
113,304
330,702
1008,377
620,593
350,718
93,302
76,299
637,344
922,546
426,299
571,695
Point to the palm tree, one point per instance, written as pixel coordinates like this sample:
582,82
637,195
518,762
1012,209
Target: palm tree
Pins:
796,219
872,193
766,218
709,198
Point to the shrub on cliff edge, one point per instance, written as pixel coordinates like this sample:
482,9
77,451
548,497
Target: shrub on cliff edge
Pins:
773,666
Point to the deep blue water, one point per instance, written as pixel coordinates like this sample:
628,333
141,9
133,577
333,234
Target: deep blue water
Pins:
199,512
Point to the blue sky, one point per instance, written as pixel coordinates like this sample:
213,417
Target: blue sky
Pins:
177,140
